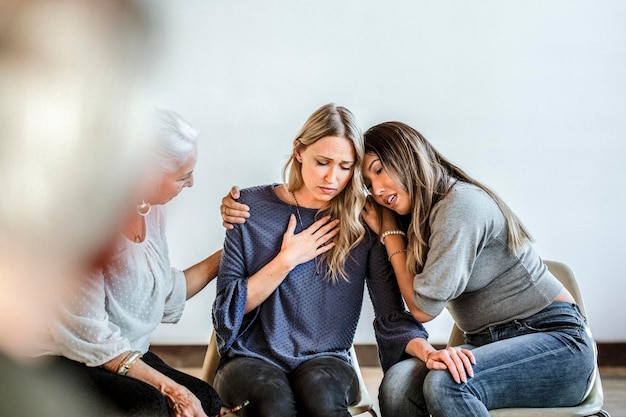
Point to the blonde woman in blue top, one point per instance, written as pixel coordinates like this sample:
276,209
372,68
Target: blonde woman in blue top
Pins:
291,282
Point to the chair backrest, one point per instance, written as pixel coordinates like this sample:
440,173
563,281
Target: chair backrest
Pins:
365,403
212,359
564,274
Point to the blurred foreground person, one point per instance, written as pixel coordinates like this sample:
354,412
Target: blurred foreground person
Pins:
105,326
69,159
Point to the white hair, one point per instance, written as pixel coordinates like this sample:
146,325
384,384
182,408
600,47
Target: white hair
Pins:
175,140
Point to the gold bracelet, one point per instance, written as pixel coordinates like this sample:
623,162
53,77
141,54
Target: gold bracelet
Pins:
391,232
395,253
128,361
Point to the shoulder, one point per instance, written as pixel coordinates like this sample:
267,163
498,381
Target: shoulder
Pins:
464,196
258,194
370,237
466,203
266,209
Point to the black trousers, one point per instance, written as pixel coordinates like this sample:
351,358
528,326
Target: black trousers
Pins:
320,387
136,398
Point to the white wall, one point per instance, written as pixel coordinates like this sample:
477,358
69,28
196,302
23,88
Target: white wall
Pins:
529,97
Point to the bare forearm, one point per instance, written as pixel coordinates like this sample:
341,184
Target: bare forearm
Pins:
149,375
138,370
419,348
200,274
396,250
181,401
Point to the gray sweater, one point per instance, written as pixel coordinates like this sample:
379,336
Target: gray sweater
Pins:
470,269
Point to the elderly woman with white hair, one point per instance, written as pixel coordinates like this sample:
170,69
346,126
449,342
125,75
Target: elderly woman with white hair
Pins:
107,323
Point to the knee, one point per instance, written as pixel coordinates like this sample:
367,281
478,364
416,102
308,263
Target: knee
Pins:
265,387
393,388
148,401
208,397
268,402
324,387
271,404
400,392
323,403
325,399
438,384
274,406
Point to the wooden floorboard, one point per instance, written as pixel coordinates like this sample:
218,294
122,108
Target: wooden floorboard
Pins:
614,388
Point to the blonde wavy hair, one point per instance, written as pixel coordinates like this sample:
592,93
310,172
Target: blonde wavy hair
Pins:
427,176
333,120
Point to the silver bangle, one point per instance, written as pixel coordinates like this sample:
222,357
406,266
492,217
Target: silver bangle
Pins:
128,361
391,232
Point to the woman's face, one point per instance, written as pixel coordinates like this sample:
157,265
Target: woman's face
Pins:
172,183
327,167
385,190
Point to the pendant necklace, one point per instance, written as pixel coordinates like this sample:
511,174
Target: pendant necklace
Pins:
293,194
317,259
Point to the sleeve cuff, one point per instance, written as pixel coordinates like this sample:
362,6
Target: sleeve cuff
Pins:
175,303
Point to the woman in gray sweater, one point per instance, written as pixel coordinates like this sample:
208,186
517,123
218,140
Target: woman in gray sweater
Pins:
455,244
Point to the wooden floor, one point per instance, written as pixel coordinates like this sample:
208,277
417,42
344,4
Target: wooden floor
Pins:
613,386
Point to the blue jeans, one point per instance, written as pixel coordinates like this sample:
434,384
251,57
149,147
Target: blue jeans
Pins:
545,360
320,387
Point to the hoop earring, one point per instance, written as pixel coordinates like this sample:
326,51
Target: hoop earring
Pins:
144,208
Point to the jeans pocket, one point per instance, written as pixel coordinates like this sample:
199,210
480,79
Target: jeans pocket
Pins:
565,320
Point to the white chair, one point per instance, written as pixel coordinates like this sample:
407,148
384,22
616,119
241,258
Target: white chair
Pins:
592,405
365,404
212,359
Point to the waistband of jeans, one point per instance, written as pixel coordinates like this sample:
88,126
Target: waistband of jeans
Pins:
575,308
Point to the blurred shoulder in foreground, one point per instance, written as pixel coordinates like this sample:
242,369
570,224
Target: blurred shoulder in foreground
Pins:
71,147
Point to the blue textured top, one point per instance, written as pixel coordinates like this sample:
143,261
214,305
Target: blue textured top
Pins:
307,315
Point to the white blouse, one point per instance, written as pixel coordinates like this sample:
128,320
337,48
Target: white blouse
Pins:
118,308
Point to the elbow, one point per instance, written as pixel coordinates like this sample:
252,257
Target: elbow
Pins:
420,316
417,313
